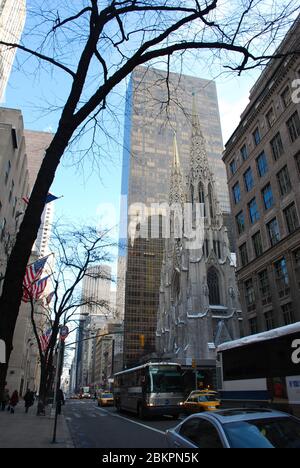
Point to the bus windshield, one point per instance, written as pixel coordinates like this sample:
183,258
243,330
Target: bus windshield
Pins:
164,380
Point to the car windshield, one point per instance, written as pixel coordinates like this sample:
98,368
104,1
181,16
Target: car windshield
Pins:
203,398
166,380
264,433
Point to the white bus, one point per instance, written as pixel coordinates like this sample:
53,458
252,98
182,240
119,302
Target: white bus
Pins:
150,389
262,369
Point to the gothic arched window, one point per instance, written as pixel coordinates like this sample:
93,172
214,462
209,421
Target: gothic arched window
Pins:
213,286
192,194
211,204
202,197
175,288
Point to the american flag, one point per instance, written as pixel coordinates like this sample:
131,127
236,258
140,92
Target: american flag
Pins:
45,338
49,198
49,297
35,290
34,272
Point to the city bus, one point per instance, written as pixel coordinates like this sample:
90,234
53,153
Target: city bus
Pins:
150,389
85,392
262,369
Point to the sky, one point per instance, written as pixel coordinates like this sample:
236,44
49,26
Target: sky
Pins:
92,193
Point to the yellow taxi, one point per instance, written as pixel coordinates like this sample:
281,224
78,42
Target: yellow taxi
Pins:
106,399
201,401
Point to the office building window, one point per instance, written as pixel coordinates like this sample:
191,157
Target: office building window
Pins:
297,159
270,116
286,97
256,136
2,229
253,211
288,314
233,166
249,292
248,178
11,191
253,326
262,165
293,125
281,273
244,152
297,258
269,320
257,244
236,193
277,146
273,231
244,254
7,171
14,206
291,218
240,222
264,285
267,195
284,182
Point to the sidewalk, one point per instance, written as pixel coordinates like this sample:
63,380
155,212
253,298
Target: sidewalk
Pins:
21,430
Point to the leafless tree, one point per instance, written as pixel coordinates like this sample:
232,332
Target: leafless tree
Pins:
97,44
79,253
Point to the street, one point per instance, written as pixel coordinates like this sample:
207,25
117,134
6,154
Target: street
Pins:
94,427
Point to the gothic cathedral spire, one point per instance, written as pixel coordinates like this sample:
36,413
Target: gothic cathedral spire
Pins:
176,194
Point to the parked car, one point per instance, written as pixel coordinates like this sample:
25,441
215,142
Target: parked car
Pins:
237,428
106,399
201,401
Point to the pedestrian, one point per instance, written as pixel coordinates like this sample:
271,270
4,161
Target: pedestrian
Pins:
13,401
60,400
29,400
4,398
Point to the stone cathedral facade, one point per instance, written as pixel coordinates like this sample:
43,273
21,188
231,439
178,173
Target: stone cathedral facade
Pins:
198,304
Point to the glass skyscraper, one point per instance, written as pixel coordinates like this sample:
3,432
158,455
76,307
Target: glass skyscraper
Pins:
12,19
154,111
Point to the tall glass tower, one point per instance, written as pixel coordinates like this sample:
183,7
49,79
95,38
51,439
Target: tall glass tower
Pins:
154,111
12,20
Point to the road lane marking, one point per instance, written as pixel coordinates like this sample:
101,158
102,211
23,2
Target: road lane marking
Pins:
133,422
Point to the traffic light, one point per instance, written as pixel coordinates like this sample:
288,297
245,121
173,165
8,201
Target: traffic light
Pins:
194,363
142,341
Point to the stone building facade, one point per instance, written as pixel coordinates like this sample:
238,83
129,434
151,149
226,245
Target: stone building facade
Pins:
198,306
20,158
263,171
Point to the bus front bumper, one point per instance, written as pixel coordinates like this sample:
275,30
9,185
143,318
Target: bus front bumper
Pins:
172,410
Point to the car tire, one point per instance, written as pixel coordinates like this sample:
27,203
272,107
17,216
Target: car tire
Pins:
141,412
118,407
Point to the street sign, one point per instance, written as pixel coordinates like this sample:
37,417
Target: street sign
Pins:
64,331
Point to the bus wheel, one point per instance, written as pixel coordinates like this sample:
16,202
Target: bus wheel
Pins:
141,412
